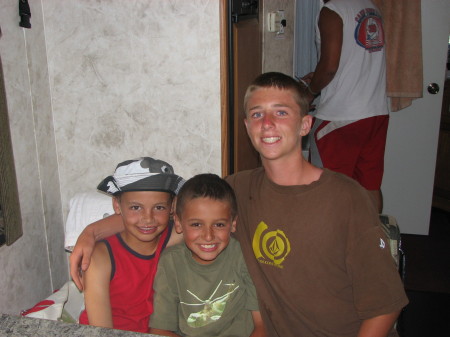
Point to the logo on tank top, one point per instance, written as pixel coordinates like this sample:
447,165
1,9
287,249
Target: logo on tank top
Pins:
369,32
270,247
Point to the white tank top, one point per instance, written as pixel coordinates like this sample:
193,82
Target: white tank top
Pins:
358,90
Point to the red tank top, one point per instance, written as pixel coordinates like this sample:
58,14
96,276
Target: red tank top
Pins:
131,286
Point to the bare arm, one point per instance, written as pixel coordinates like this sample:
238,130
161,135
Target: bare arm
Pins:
163,332
331,35
378,326
96,293
81,254
259,329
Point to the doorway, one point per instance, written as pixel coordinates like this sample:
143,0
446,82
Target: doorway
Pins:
441,192
412,139
241,62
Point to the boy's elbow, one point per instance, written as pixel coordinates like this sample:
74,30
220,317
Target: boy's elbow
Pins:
331,73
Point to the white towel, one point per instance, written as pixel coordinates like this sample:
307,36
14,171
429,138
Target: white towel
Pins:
85,208
65,304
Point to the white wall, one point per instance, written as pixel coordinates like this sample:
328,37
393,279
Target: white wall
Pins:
26,268
91,84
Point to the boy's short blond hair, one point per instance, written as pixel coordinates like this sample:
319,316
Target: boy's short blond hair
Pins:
282,82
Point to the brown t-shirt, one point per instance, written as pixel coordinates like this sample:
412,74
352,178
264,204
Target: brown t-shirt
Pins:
317,254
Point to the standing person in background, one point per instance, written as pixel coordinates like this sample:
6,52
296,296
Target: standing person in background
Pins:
350,127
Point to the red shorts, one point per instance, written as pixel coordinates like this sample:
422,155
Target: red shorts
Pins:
356,149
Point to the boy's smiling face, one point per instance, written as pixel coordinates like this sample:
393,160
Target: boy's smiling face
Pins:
206,225
145,215
275,123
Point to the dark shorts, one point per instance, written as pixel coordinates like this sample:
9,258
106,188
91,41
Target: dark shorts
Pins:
354,148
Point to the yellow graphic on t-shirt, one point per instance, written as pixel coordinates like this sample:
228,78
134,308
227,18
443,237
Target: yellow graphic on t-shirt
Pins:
270,247
212,307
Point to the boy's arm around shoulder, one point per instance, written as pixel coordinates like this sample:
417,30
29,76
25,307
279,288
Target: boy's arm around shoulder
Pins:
82,252
96,290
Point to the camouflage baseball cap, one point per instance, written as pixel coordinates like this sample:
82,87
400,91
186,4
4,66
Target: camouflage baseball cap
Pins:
142,174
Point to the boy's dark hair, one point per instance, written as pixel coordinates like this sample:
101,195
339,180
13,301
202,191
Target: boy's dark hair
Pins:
282,82
206,185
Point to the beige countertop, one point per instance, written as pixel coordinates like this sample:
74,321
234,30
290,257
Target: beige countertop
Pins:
18,326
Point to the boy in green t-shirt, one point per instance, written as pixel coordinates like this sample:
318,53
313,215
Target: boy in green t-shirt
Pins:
202,287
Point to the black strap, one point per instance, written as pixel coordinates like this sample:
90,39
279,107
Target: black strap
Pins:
25,14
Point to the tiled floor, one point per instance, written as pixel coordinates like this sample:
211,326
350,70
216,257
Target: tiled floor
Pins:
427,281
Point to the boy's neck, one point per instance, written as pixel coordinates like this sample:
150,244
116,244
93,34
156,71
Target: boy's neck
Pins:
141,247
292,172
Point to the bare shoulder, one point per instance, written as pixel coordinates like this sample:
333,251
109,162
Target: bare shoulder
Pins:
100,255
99,271
329,17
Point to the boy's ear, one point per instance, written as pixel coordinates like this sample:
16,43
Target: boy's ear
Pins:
178,227
306,125
116,205
173,207
233,225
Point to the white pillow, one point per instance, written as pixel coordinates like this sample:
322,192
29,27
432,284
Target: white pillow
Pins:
85,208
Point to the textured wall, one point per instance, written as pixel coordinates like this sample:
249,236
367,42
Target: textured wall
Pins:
97,82
133,78
26,271
104,81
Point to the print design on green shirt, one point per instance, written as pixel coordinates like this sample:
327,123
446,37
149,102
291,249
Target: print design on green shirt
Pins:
212,308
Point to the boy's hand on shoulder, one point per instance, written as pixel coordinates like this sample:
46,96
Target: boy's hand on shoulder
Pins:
81,256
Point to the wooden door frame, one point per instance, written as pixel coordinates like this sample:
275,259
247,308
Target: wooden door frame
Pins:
232,132
224,86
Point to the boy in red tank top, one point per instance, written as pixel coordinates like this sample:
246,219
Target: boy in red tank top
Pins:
118,286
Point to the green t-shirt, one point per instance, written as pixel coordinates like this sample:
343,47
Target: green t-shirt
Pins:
192,299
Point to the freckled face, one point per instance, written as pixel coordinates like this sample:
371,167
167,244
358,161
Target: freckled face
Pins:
206,225
145,215
274,123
